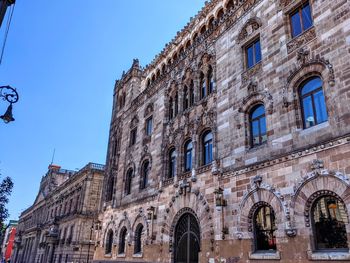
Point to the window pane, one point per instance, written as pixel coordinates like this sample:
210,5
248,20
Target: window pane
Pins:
307,19
296,25
149,126
210,152
329,218
257,52
259,111
188,165
264,225
250,58
309,117
208,137
320,107
263,130
255,132
311,85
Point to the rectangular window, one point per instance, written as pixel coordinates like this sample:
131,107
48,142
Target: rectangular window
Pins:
301,19
253,53
133,134
149,124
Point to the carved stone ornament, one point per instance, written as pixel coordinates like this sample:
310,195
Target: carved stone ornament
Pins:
134,122
249,73
300,40
284,3
149,109
252,87
249,29
317,165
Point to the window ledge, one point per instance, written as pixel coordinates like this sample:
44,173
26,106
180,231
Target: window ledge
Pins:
109,255
265,255
314,128
204,168
328,256
137,255
121,255
252,71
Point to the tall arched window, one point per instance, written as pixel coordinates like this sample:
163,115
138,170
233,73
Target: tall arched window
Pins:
109,242
207,142
264,228
313,102
211,82
258,125
172,163
203,85
176,106
329,218
191,95
171,108
138,239
110,187
188,156
128,181
122,237
144,175
186,98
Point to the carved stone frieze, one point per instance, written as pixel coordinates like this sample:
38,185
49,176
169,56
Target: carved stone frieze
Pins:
250,73
301,40
249,29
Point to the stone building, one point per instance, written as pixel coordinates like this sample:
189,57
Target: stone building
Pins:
59,226
233,144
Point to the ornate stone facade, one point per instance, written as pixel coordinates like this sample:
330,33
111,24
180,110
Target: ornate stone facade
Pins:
59,226
200,84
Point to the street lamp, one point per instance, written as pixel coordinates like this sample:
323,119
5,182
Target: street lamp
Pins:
10,95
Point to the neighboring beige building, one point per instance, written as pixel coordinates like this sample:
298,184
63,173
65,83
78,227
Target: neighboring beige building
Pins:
233,145
59,226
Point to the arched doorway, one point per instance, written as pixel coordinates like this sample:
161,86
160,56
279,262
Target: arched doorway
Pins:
187,239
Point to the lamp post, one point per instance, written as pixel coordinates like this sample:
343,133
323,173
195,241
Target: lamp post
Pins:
10,95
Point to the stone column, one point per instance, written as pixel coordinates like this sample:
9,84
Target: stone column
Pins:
34,250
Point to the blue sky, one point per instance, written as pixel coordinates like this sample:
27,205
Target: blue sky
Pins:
64,57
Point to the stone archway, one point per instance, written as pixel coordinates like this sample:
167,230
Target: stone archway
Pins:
187,240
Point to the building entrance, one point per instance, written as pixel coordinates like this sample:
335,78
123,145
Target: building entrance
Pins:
187,240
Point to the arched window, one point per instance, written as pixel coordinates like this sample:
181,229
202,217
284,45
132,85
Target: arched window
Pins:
207,148
264,229
313,102
203,85
171,108
110,186
258,125
329,218
172,163
128,181
109,242
211,82
186,98
191,94
144,174
188,156
138,236
122,237
176,102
